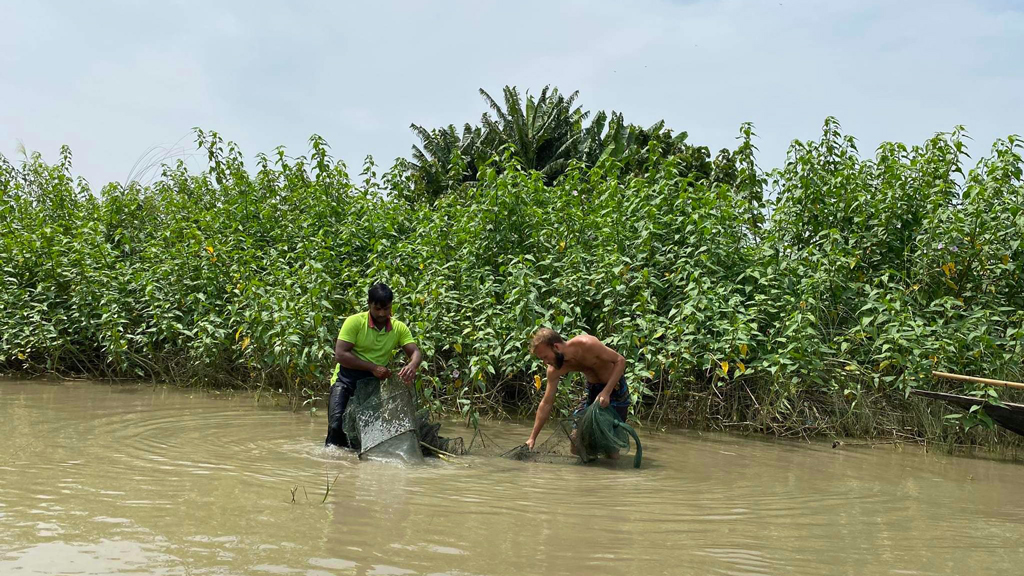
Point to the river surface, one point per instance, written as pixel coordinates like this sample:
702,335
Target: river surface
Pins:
137,479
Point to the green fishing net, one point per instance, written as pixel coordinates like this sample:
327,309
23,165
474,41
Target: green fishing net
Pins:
381,418
599,432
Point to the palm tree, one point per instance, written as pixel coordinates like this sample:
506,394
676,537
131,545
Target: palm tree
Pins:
444,160
543,131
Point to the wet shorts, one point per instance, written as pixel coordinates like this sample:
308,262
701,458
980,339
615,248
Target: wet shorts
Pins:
619,400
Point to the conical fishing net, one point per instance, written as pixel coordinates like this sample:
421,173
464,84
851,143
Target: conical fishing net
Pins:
382,420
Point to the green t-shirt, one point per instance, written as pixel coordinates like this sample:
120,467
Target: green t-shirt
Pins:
371,344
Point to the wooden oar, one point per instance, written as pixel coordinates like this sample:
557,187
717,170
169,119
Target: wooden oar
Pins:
988,381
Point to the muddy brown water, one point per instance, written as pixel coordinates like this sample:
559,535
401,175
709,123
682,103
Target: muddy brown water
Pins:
136,479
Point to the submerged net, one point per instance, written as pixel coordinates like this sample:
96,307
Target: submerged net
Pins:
430,434
381,419
598,432
557,449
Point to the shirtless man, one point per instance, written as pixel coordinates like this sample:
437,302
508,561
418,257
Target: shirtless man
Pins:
602,367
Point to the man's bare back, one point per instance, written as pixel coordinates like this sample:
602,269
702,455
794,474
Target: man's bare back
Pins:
585,354
602,367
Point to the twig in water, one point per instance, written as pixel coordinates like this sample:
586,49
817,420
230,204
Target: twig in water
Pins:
329,485
479,432
294,490
440,453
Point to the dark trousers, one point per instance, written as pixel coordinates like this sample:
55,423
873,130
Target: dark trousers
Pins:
341,393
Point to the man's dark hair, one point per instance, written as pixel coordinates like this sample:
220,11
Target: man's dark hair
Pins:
380,294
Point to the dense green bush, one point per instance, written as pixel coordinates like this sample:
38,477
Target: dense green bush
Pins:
735,295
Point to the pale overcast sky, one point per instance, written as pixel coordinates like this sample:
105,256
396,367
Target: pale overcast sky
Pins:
112,79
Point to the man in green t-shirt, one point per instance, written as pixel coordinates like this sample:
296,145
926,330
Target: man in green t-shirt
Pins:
366,343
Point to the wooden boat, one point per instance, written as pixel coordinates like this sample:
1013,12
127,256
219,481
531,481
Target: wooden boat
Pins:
1009,416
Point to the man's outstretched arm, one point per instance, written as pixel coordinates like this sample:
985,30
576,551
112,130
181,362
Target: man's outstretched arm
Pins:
546,405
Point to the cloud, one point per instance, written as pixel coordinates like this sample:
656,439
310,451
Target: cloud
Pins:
115,79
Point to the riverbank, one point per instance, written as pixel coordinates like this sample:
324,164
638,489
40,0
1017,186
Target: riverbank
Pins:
877,420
